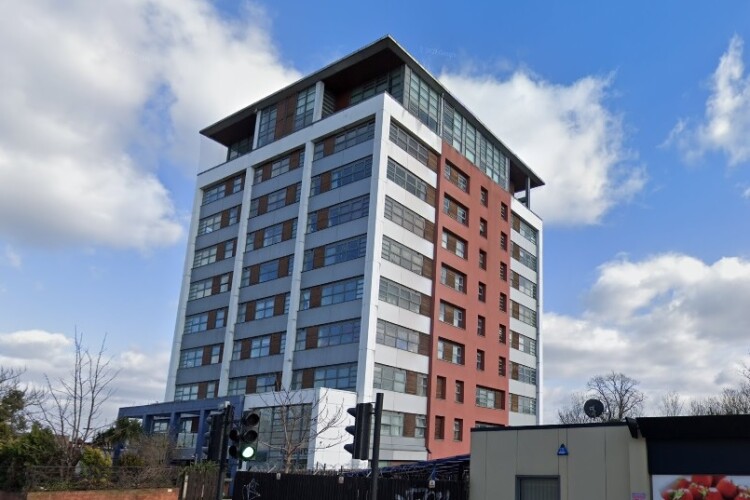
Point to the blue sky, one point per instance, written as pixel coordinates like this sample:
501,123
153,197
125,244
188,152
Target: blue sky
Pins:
637,115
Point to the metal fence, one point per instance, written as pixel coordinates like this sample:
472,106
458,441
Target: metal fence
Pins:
279,486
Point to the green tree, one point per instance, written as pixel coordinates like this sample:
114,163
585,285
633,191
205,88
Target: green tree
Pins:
36,447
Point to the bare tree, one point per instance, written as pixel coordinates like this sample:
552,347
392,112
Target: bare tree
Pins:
73,406
573,413
671,404
731,401
296,422
619,394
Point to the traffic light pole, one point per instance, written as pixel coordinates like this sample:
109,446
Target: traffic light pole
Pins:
226,422
376,445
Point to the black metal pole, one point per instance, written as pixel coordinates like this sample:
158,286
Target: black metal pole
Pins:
226,421
376,445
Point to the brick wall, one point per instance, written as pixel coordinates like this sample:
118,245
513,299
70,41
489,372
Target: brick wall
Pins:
140,494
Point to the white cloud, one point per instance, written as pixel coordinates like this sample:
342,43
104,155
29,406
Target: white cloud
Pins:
746,193
141,372
12,257
725,126
95,93
564,133
671,321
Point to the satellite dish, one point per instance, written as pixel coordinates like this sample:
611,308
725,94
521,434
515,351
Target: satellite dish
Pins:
593,408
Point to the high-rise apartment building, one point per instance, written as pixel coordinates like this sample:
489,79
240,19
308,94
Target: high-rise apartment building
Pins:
365,232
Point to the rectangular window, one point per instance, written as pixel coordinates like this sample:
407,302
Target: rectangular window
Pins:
422,100
305,106
482,228
257,347
524,285
501,364
501,336
458,429
523,373
267,307
503,211
522,343
210,286
503,241
452,278
282,165
413,146
402,296
392,82
453,315
504,271
450,351
191,358
454,244
403,338
267,382
274,201
392,424
408,219
489,398
522,404
205,321
480,326
267,125
484,196
482,259
239,148
455,210
267,271
218,221
523,313
439,427
339,333
335,253
420,426
523,256
459,391
456,177
186,392
342,377
236,386
503,302
349,210
341,176
405,257
264,308
344,140
524,228
463,136
271,235
287,116
482,292
332,293
215,253
440,387
411,183
389,378
480,360
223,188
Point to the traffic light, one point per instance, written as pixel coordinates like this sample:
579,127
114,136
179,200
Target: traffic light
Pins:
360,448
244,439
212,438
